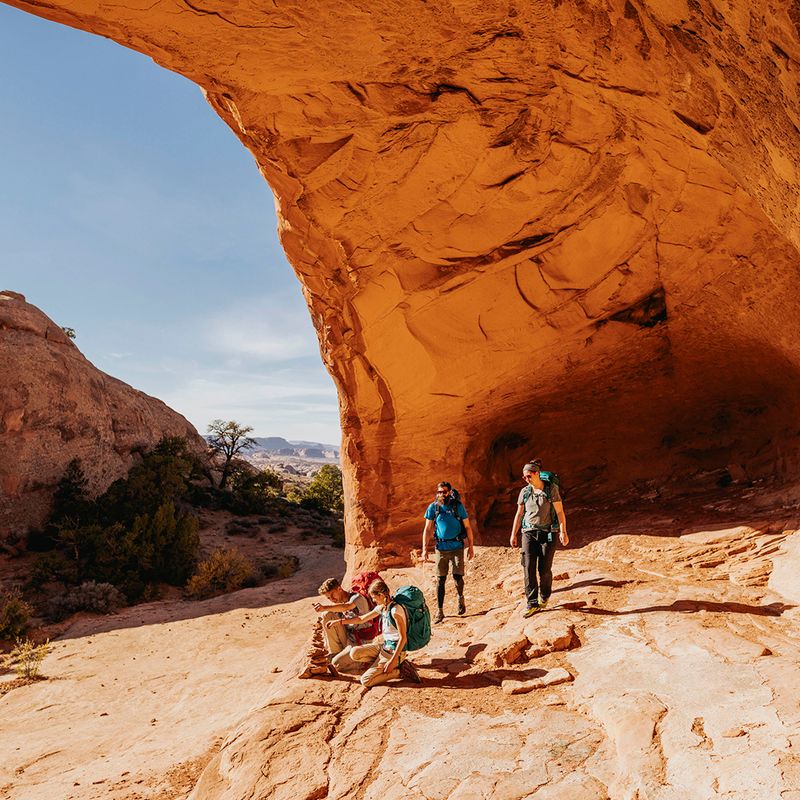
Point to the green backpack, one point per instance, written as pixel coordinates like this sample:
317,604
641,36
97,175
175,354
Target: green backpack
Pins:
418,631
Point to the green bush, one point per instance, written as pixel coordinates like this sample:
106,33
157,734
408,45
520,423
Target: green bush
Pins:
325,490
222,572
254,491
15,615
133,536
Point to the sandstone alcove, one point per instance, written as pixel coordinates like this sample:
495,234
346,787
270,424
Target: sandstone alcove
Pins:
567,229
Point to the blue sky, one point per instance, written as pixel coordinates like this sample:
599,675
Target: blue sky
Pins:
131,213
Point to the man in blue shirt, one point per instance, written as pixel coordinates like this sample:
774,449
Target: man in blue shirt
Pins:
447,518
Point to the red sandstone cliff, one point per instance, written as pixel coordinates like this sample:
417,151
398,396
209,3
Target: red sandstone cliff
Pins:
566,229
56,406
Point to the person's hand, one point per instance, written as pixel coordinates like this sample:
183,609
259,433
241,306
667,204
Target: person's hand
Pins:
391,664
425,559
514,540
563,538
331,622
470,553
318,607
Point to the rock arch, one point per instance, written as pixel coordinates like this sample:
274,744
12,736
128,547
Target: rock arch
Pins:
568,228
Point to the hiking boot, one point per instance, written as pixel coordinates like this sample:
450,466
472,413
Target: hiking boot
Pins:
531,610
332,669
462,609
439,617
543,603
408,672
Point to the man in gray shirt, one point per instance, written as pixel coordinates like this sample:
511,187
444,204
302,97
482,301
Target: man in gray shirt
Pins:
534,513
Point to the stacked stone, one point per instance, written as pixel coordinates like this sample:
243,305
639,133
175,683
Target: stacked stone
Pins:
316,658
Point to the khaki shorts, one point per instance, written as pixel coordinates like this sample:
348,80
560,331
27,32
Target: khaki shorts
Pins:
446,557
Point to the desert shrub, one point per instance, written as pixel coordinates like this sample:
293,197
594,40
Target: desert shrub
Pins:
337,534
50,567
254,491
135,535
15,615
28,656
99,598
278,527
222,572
289,566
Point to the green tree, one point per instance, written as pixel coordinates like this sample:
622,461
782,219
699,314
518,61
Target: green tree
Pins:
326,488
228,439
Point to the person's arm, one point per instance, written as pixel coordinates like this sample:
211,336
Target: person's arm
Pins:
427,538
515,525
470,540
562,522
354,620
340,607
399,616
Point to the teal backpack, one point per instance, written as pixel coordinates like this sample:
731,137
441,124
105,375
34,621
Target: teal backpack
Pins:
419,618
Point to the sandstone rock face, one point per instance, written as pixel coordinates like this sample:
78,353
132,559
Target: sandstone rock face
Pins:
56,406
566,229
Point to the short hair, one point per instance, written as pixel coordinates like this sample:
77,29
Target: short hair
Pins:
444,483
378,587
329,585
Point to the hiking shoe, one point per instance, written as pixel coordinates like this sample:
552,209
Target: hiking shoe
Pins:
439,617
332,669
543,604
408,672
531,610
462,609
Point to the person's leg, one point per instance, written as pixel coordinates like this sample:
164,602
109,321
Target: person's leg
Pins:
375,674
458,577
442,564
529,557
548,550
336,636
356,655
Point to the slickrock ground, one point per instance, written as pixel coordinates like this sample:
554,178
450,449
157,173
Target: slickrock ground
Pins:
137,702
675,671
666,668
56,406
565,229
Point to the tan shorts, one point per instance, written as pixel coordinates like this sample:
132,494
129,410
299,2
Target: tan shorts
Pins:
446,557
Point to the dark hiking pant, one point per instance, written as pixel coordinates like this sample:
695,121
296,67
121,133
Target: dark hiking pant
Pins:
537,559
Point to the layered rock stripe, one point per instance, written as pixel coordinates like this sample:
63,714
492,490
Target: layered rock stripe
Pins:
563,229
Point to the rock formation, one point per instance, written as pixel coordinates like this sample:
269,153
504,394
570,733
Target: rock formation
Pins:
56,406
565,228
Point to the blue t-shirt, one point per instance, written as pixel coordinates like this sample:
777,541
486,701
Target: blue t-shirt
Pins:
448,527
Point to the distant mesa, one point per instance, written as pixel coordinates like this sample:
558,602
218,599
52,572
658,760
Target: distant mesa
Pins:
278,446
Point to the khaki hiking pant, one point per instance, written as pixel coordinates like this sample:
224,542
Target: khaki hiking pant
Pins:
335,636
364,654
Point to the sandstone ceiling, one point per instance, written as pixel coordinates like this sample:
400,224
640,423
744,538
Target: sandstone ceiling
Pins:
564,228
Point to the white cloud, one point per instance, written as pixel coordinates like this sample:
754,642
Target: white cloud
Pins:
274,328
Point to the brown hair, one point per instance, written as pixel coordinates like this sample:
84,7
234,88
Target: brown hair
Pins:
378,587
328,585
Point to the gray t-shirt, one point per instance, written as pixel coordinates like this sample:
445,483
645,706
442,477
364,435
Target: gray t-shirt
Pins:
362,607
538,509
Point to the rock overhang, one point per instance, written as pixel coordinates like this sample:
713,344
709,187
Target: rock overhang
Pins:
562,229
